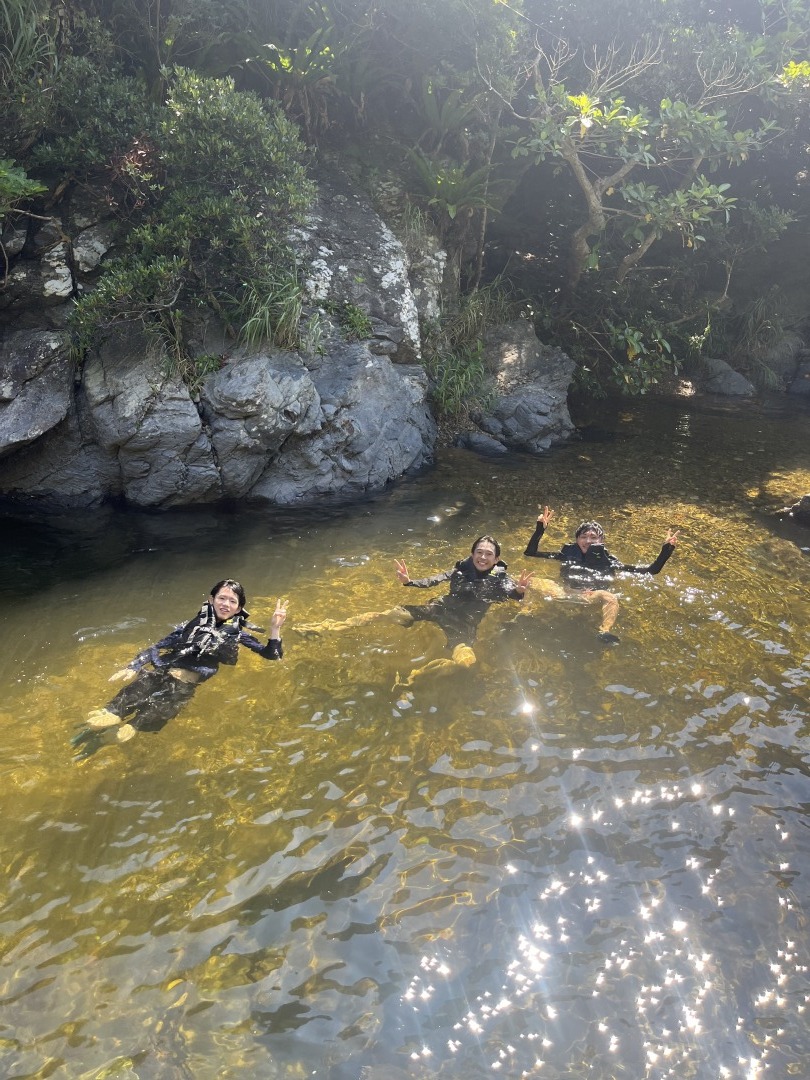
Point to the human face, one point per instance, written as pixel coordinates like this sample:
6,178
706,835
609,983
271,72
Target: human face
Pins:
226,604
484,557
589,537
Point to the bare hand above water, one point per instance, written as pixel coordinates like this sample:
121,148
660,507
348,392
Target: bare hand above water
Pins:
279,615
545,516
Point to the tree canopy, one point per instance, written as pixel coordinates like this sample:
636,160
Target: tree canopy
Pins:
612,166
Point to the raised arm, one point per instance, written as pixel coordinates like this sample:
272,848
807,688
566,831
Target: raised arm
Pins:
273,650
656,567
423,583
543,518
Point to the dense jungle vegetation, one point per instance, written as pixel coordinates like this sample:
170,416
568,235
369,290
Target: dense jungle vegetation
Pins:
609,167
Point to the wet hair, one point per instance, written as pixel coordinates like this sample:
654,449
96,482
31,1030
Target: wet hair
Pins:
234,586
487,540
589,526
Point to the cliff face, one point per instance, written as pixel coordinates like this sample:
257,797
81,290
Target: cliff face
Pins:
337,419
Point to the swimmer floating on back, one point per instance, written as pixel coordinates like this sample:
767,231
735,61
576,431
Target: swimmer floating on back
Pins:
166,675
475,583
587,565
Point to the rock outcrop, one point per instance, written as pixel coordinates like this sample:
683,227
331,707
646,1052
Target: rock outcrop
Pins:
718,377
338,419
528,393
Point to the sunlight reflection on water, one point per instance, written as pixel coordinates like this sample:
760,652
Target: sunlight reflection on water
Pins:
568,861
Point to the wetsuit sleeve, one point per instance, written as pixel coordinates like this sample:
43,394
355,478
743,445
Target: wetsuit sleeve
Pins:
273,650
429,582
152,653
534,543
654,567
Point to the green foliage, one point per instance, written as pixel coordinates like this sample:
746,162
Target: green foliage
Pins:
144,290
26,58
93,116
270,307
449,190
640,356
72,105
616,148
458,381
622,339
301,76
796,74
24,40
491,305
155,38
213,135
232,182
453,351
15,187
311,335
754,333
354,322
193,370
445,112
607,144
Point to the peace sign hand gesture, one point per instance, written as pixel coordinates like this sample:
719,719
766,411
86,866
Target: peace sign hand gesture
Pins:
545,516
279,615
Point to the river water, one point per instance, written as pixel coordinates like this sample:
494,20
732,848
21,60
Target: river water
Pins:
570,861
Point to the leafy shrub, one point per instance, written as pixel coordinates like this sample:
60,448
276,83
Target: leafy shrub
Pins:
232,181
15,187
92,116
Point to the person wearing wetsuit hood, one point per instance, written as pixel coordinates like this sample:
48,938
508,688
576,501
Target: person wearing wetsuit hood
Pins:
166,675
587,565
475,582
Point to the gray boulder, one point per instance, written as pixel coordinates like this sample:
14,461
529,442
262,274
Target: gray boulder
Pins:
352,257
148,422
252,406
718,377
376,427
480,443
528,390
62,470
36,386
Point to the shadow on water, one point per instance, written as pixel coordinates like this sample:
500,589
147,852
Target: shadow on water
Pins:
568,861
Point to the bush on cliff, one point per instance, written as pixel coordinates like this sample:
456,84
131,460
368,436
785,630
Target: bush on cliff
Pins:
230,181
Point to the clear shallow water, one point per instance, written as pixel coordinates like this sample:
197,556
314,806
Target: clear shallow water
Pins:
569,862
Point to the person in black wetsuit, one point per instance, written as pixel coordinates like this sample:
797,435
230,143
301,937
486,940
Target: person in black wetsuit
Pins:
587,565
475,583
166,674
